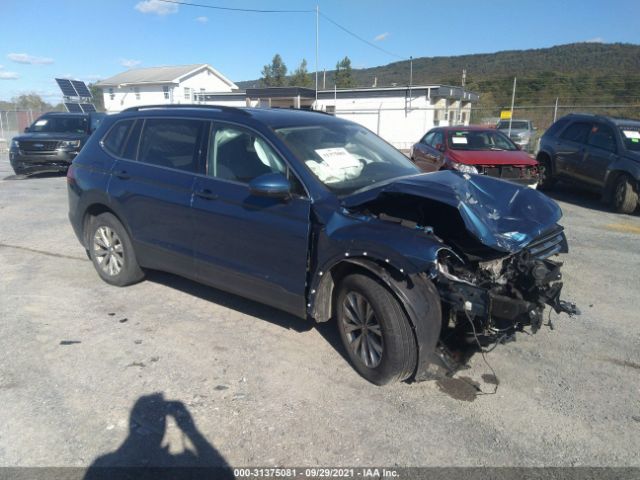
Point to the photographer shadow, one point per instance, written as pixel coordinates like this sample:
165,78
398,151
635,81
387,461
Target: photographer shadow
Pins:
143,455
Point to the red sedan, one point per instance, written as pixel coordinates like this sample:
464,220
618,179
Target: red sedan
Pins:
478,150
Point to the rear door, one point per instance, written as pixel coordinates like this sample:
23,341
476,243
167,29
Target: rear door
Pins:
152,186
601,151
570,149
254,246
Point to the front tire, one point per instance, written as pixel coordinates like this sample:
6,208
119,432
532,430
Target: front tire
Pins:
625,198
375,331
111,251
546,180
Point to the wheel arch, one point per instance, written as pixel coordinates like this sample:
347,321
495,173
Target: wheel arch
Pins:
416,294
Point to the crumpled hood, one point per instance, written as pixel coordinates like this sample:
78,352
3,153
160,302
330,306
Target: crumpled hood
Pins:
500,214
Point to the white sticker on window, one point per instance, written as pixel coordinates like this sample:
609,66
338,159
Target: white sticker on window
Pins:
337,165
631,133
462,140
40,123
337,157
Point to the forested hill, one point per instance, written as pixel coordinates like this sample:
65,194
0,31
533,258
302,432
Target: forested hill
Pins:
579,72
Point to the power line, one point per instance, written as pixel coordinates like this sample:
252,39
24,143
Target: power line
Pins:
255,10
362,39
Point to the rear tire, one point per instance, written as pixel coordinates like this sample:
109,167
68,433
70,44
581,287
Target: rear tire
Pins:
546,180
375,330
111,251
625,198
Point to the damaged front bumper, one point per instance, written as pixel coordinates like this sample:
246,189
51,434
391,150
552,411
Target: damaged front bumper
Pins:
490,301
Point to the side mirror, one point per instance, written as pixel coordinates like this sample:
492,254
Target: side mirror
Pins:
272,185
440,146
518,146
27,129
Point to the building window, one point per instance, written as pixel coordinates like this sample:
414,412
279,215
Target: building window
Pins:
165,91
111,94
187,93
464,118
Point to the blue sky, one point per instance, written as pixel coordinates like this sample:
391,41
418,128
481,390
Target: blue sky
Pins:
92,39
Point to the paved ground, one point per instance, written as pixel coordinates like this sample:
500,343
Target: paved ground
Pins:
264,388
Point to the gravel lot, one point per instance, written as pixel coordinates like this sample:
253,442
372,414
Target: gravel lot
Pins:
264,388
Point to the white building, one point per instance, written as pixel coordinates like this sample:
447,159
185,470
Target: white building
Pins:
400,115
160,85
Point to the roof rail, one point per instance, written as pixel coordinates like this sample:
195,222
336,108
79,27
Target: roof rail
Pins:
223,108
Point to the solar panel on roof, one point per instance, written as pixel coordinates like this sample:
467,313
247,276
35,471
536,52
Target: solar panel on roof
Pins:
81,88
66,87
87,107
73,107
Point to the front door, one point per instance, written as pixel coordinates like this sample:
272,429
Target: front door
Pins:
254,246
601,151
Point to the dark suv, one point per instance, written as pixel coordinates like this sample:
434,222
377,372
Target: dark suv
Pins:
597,152
52,142
321,218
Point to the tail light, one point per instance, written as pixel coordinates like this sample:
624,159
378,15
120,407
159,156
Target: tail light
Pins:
71,175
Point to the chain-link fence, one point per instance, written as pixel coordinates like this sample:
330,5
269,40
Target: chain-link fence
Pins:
542,116
13,122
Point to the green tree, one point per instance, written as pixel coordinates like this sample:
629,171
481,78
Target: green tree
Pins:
343,76
98,97
273,75
30,101
301,77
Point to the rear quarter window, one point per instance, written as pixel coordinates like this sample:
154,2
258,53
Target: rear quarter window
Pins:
113,141
577,132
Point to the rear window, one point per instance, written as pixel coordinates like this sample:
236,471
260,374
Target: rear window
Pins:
171,142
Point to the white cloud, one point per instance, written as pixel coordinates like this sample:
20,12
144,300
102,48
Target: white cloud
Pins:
156,7
129,62
9,75
202,19
30,59
595,40
382,36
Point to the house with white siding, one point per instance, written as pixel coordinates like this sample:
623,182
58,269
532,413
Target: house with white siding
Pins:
162,85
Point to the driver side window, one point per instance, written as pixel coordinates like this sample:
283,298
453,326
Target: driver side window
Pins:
240,155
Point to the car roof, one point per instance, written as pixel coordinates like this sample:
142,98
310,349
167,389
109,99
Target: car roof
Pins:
614,120
272,117
467,127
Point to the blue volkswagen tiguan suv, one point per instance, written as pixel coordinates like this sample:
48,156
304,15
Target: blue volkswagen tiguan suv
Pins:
321,218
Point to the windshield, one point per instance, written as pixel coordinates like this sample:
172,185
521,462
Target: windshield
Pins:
479,140
346,158
60,124
515,125
631,137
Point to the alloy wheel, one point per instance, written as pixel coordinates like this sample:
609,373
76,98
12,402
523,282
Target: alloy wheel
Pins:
363,332
108,251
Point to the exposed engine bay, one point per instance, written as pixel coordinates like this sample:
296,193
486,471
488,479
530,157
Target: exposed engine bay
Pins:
487,295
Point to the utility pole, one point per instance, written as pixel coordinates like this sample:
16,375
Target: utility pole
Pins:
317,36
513,99
410,79
555,111
464,81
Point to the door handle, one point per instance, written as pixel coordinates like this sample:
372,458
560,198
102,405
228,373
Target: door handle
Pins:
207,194
123,175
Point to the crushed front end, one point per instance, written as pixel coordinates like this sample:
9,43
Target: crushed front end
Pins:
488,301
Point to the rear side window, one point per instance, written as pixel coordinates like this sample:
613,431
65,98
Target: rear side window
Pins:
577,132
554,129
113,142
602,137
171,142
